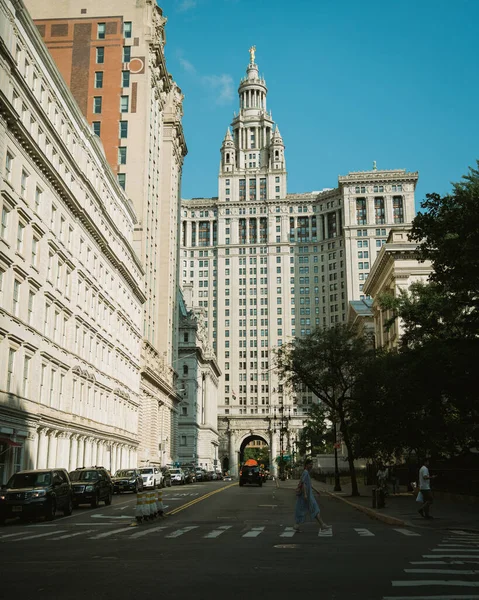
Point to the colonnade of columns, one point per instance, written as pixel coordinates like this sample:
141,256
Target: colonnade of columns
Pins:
69,450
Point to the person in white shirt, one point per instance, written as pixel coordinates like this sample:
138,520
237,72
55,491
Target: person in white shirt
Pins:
425,489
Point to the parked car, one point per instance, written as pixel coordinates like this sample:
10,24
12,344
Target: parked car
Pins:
219,475
199,473
29,494
91,485
250,474
127,480
166,476
152,477
228,477
178,476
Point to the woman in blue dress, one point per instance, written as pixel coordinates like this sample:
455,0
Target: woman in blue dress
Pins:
306,505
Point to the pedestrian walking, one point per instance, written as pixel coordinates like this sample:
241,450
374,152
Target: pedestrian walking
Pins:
306,505
425,489
394,478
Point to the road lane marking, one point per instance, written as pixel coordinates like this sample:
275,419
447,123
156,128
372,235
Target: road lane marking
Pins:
428,582
38,535
288,532
443,571
100,516
253,532
455,550
147,532
9,535
70,535
179,532
196,500
217,532
108,533
444,562
364,532
407,532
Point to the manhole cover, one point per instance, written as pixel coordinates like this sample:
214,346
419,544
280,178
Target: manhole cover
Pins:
286,546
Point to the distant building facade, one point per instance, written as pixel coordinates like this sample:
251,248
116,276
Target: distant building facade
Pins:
111,54
198,385
71,285
395,269
267,266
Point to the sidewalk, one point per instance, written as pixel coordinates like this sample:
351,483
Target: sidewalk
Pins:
401,509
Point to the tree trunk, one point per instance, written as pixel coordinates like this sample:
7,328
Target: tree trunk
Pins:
352,472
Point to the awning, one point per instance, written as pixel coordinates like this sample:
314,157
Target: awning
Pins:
9,442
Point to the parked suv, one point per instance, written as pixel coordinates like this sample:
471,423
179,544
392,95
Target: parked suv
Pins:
250,474
178,476
29,494
152,477
91,485
127,480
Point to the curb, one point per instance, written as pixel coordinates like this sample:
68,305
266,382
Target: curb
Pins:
369,511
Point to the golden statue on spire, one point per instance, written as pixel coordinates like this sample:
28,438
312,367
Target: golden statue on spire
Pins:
252,51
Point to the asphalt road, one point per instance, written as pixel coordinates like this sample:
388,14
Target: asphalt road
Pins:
236,543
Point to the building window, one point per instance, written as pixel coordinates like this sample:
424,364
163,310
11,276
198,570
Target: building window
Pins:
125,79
34,251
97,104
20,236
100,55
122,180
31,305
16,297
26,373
126,54
123,129
9,166
96,125
101,28
127,29
398,209
99,79
38,197
122,155
361,211
124,104
4,223
23,184
11,369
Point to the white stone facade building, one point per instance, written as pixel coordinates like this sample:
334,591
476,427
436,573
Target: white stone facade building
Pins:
267,265
146,111
395,269
71,285
198,386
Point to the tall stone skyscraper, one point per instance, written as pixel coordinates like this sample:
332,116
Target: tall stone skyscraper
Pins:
111,54
266,266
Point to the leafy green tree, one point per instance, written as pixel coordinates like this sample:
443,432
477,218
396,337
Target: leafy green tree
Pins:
448,235
316,437
259,454
329,362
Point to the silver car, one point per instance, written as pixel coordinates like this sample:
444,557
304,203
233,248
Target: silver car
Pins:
178,476
152,477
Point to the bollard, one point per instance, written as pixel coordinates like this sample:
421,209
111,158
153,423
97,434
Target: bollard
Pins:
151,509
139,509
375,500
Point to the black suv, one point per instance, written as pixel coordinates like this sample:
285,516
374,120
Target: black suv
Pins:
250,474
127,480
91,485
29,494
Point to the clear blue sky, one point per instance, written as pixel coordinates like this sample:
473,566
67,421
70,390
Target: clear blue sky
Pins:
349,82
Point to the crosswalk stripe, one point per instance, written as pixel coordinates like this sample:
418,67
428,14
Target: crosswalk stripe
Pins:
108,533
443,571
253,532
38,535
449,556
429,582
9,535
146,532
217,532
288,532
364,532
70,535
455,597
179,532
460,549
407,532
325,532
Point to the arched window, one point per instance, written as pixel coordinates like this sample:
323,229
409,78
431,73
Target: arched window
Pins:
276,153
185,369
227,157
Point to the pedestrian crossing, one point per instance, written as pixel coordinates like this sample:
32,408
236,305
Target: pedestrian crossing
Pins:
450,571
170,532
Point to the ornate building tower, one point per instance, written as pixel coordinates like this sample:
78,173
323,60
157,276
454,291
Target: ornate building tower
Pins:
252,158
